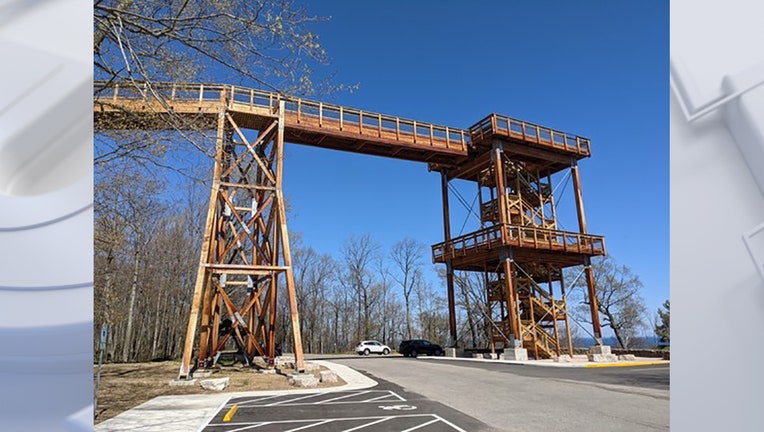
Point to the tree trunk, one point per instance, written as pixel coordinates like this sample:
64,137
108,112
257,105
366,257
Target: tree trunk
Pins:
131,310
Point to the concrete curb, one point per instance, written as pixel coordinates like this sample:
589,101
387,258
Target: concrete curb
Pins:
552,364
193,412
627,363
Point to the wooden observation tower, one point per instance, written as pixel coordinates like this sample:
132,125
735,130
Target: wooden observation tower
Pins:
245,258
520,249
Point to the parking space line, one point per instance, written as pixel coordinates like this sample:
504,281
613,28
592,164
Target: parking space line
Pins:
373,420
387,394
378,398
421,425
449,423
341,397
384,419
295,399
310,425
249,427
259,399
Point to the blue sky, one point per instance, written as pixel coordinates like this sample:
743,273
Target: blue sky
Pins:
597,69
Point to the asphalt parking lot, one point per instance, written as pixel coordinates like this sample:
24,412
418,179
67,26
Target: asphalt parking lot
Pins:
385,408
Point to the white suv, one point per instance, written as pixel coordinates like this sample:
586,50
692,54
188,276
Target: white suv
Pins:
372,346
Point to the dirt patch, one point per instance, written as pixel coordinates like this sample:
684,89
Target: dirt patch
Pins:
127,385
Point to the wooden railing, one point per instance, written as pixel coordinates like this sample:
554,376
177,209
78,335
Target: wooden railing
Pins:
496,124
521,236
298,111
543,340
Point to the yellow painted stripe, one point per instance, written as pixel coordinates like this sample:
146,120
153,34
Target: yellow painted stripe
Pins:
230,413
624,364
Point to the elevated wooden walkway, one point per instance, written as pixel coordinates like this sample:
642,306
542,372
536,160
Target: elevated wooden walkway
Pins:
320,124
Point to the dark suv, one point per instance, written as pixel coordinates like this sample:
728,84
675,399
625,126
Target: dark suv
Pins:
414,347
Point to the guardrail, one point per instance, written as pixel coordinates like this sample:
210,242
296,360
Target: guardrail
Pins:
298,111
521,236
496,124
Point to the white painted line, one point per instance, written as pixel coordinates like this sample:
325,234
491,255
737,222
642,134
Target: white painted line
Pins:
398,396
259,399
309,426
341,397
244,426
378,398
253,403
256,425
384,419
295,399
421,425
336,419
449,423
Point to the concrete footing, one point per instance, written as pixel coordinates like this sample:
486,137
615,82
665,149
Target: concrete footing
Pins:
303,380
215,384
454,352
516,354
601,354
328,376
600,349
183,383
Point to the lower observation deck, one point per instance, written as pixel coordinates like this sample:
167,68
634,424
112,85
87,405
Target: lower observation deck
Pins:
472,251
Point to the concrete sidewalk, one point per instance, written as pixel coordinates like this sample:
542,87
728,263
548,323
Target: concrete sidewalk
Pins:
578,361
193,412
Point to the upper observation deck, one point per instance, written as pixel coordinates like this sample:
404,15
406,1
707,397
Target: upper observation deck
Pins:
327,125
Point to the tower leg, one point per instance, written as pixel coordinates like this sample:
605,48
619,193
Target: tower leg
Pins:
449,268
245,249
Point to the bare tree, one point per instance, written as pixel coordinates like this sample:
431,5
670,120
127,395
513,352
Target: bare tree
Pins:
313,272
407,257
358,255
621,306
471,298
268,42
432,312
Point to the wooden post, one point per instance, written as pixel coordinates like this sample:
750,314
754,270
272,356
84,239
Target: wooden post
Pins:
202,277
509,284
593,306
567,319
449,267
501,190
554,309
287,255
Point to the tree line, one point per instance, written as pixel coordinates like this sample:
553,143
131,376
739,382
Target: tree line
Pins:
147,245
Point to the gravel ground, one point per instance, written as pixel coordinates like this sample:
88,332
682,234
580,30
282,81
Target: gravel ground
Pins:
127,385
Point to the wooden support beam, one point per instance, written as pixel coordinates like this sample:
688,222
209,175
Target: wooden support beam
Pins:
591,288
449,267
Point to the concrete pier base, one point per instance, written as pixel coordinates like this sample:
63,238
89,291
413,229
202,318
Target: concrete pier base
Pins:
516,354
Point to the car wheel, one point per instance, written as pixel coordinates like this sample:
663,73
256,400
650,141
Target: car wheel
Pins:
414,353
385,351
366,352
438,353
